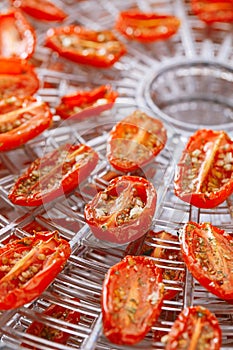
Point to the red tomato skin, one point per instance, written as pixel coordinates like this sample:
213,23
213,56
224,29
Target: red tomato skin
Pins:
88,103
27,36
206,279
199,199
31,128
125,334
66,185
41,9
76,55
131,230
181,325
117,133
19,76
131,20
16,296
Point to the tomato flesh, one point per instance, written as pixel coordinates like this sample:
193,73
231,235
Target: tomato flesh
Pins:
195,328
146,27
135,141
207,252
28,266
124,211
132,298
210,11
86,46
204,176
58,172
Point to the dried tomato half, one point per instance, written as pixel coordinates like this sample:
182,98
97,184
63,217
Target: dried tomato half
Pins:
211,11
28,266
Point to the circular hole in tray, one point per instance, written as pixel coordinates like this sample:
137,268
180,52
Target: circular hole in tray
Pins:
193,95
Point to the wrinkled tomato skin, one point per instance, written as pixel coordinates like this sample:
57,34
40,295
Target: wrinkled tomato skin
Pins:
135,25
135,141
17,78
77,55
207,252
107,228
128,307
45,249
40,120
59,312
69,181
87,101
23,44
189,328
211,11
40,9
206,200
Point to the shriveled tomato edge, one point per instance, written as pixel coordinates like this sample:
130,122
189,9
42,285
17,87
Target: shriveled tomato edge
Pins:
25,30
195,268
86,112
141,224
115,334
68,184
75,56
180,323
37,284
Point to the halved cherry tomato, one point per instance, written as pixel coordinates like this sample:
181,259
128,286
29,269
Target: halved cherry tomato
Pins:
41,9
195,328
28,266
211,11
22,120
132,299
204,175
49,177
146,26
56,312
17,78
207,252
86,46
17,37
124,211
135,141
82,104
160,245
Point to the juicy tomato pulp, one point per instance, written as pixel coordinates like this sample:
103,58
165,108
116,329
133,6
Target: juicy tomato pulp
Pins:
85,46
17,37
210,11
82,104
207,252
132,299
146,27
21,120
124,211
58,172
195,328
135,141
28,266
204,175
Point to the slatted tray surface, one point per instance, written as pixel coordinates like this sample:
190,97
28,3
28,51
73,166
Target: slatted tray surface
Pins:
147,77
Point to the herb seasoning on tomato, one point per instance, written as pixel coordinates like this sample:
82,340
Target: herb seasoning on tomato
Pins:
86,46
195,328
58,172
135,141
210,11
132,298
204,175
124,211
207,252
82,104
21,120
145,26
28,266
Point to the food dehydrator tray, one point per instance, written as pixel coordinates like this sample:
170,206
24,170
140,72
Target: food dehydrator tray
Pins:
186,81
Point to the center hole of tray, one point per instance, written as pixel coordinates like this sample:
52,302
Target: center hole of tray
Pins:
193,95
